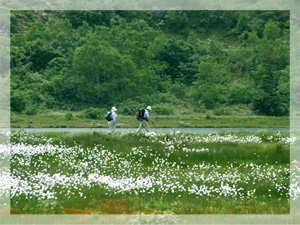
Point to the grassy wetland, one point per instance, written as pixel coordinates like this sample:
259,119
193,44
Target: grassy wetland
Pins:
95,119
95,173
196,69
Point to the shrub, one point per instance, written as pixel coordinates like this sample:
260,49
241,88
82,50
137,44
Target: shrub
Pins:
221,111
129,107
69,116
17,101
167,98
93,113
199,107
163,109
31,109
14,118
208,117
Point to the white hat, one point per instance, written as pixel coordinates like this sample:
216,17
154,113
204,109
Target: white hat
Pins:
113,109
148,108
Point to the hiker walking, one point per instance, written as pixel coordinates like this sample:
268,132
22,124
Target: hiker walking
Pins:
143,117
111,117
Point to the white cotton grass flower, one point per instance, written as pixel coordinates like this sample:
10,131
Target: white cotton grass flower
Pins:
163,175
195,150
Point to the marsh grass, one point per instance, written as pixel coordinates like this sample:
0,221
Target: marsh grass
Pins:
224,159
57,119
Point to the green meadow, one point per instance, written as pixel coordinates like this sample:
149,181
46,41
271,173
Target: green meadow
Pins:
174,173
80,119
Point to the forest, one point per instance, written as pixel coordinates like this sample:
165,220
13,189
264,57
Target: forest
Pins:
192,61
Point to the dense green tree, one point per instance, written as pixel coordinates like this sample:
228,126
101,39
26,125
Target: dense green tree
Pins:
272,55
195,59
179,58
93,18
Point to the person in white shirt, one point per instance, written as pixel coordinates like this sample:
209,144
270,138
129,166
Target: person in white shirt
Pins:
112,123
144,122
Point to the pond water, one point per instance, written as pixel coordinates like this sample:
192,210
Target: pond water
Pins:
159,130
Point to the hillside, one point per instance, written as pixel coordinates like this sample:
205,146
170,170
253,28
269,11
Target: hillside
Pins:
176,61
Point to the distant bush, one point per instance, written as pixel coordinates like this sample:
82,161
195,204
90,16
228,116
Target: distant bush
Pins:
93,113
14,118
129,107
167,98
163,109
241,109
222,111
200,107
69,116
157,98
31,109
208,117
17,101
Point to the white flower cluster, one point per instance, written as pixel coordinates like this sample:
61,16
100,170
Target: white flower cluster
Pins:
142,171
278,138
217,138
195,150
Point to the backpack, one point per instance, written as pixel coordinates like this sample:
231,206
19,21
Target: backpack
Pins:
109,116
140,114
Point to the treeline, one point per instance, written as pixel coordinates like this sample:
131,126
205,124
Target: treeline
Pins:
196,60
